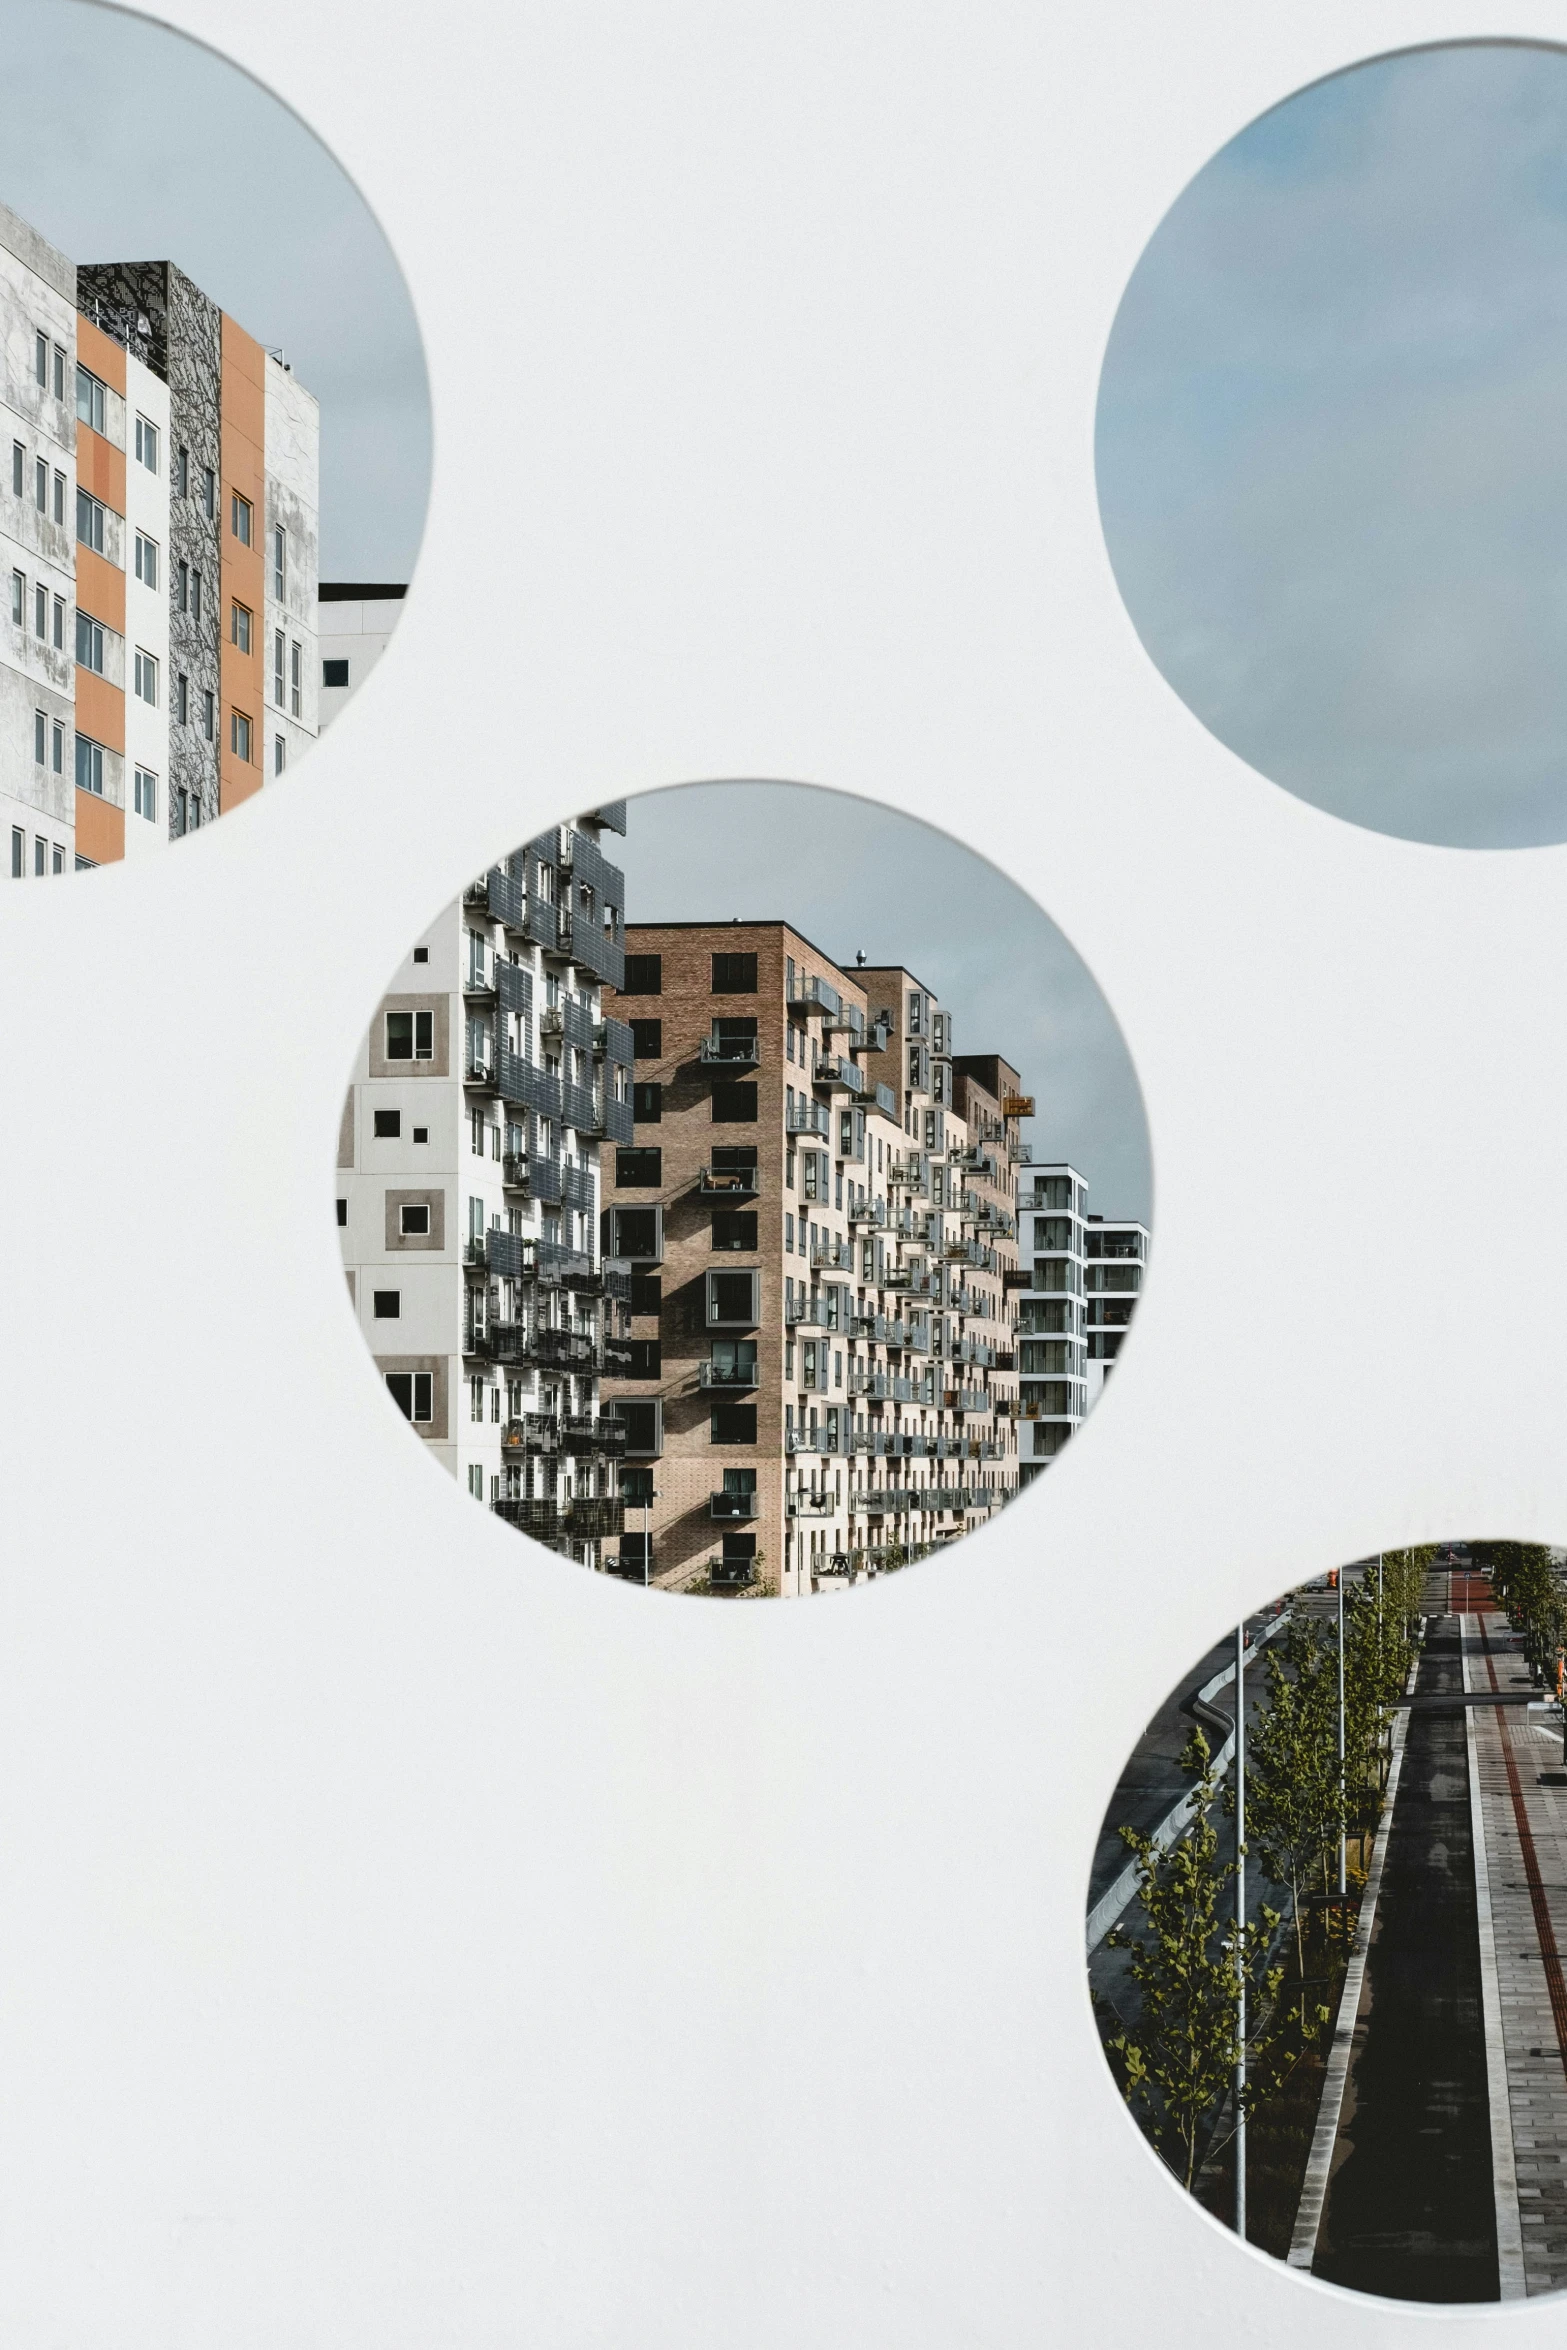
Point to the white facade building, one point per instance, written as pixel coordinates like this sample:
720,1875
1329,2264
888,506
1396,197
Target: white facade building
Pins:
1052,1353
1115,1254
355,624
144,415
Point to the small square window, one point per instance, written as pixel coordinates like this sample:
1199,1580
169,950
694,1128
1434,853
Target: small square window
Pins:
388,1125
388,1305
637,1170
644,975
734,1105
421,1134
414,1221
334,673
734,975
421,954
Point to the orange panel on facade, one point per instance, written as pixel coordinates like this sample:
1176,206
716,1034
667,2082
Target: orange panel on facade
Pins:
101,353
100,829
100,467
243,447
100,589
100,710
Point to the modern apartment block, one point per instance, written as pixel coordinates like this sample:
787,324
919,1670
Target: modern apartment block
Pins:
355,620
1079,1283
161,522
469,1186
820,1381
1115,1253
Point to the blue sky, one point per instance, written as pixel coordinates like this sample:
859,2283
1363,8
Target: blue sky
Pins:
1332,445
1014,985
117,141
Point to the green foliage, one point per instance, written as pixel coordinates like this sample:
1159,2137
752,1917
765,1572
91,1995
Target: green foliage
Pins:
1189,1966
1529,1588
1294,1803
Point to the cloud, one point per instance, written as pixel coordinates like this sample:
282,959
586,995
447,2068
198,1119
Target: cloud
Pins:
1332,469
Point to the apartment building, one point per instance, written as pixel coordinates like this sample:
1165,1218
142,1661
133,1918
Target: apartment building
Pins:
1052,1352
819,1382
162,529
469,1186
354,625
1115,1254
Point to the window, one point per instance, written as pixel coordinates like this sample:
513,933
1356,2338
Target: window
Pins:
638,1170
732,1297
182,472
180,808
146,678
89,521
388,1305
209,714
40,856
18,468
57,748
92,399
421,954
181,585
334,673
734,1105
734,1423
279,561
342,1211
734,975
59,499
239,517
414,1221
41,737
411,1391
89,643
647,1104
147,794
182,698
58,637
647,1292
41,359
734,1228
59,372
239,626
388,1125
146,444
195,592
475,1412
89,766
643,1421
40,612
209,493
647,1039
18,854
645,1359
278,688
146,560
279,754
40,485
18,599
410,1036
239,735
296,680
644,975
421,1134
637,1232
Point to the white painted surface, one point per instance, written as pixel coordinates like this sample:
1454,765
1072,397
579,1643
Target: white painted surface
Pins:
146,609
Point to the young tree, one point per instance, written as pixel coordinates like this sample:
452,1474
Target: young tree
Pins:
1293,1799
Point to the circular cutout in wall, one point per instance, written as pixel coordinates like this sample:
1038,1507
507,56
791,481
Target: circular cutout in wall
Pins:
216,454
1326,1954
743,1190
1331,472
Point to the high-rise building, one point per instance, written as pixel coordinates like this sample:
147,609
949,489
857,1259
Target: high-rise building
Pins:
354,626
1052,1355
469,1182
1115,1252
162,532
821,1354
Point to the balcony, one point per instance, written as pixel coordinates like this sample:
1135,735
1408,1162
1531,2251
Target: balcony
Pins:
814,995
577,1187
729,1184
837,1070
804,1313
728,1378
812,1505
612,1042
731,1574
733,1508
832,1256
499,896
541,923
578,1109
1017,1105
870,1213
885,1100
591,1517
554,1267
808,1117
805,1440
544,1179
567,1350
530,1515
534,1432
730,1052
519,1081
479,1069
476,984
965,1399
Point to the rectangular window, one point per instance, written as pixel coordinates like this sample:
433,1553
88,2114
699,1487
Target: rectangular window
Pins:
410,1036
296,680
181,585
40,612
41,737
279,755
734,975
647,1039
146,678
195,592
646,1359
239,517
239,734
147,794
644,975
279,561
334,673
89,766
18,469
637,1233
647,1104
89,642
146,444
415,1221
58,638
411,1391
734,1105
57,748
18,599
182,698
40,856
92,399
146,560
59,372
388,1125
733,1423
41,359
182,473
209,493
734,1228
639,1170
733,1297
18,854
239,626
209,715
59,499
89,521
40,485
388,1305
278,688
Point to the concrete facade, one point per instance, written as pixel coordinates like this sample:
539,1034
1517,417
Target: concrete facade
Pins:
355,620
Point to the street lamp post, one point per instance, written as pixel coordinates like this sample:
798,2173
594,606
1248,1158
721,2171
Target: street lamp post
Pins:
1240,1929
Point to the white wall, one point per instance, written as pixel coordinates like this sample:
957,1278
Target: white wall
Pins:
146,609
